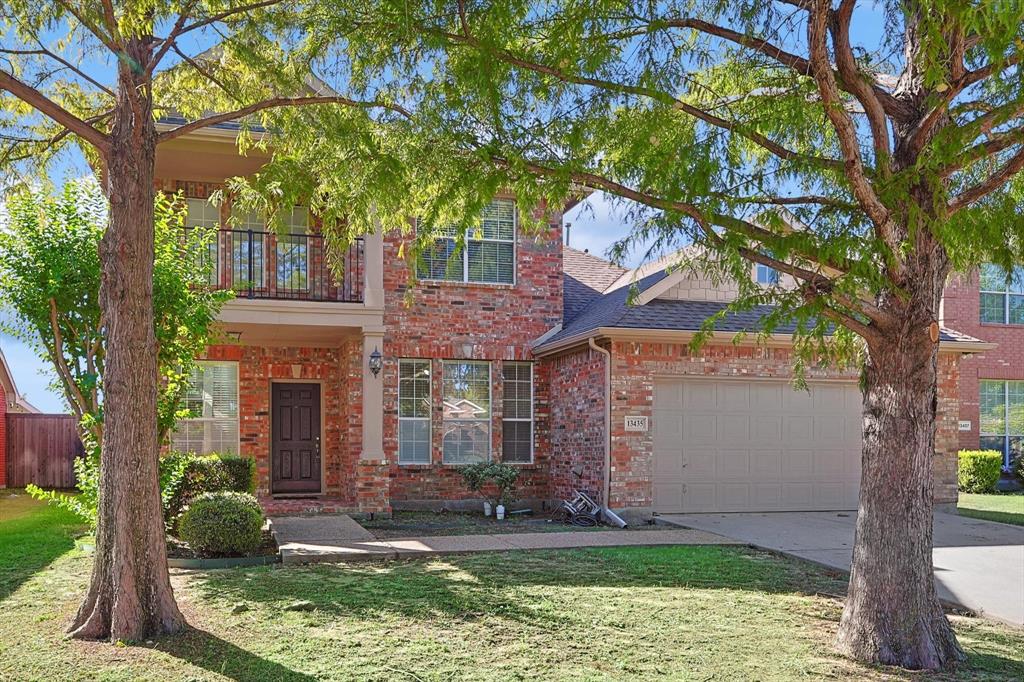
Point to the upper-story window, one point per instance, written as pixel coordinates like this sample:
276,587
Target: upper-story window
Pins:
1002,296
488,255
201,213
766,275
293,252
247,267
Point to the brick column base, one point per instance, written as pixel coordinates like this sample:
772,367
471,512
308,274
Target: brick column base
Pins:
373,487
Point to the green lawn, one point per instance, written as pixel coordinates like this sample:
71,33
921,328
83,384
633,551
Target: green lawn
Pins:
686,613
1002,507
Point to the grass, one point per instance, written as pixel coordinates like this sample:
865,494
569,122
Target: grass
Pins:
404,524
681,613
1001,507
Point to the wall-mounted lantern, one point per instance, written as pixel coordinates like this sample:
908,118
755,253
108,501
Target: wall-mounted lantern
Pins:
376,362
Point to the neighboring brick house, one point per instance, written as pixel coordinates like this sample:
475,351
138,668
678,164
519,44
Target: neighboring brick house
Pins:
987,306
10,401
359,394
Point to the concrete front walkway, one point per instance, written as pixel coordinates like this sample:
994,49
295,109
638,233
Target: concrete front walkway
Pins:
315,539
978,564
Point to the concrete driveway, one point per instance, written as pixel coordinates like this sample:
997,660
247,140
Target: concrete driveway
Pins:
978,564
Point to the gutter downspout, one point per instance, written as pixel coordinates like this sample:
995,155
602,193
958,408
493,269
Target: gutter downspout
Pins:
609,515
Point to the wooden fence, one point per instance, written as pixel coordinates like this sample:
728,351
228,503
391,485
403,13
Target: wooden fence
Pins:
41,449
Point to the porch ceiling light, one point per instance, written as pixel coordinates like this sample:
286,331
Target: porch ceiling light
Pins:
376,361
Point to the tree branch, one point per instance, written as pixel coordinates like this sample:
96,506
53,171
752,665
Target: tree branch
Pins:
56,57
757,138
220,16
107,41
853,79
48,107
846,131
62,366
168,42
276,102
979,191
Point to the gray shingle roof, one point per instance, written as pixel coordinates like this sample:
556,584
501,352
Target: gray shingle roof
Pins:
585,278
586,310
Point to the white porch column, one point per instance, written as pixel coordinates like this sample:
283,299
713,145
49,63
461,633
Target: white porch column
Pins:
373,270
373,398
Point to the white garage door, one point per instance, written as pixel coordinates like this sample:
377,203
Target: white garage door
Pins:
723,445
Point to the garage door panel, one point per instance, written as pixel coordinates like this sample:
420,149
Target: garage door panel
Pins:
798,428
698,497
733,464
766,428
734,495
700,463
669,395
754,445
733,428
668,465
766,464
699,395
667,427
700,429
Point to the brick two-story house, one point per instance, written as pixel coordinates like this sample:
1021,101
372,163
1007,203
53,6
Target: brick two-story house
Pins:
351,394
987,306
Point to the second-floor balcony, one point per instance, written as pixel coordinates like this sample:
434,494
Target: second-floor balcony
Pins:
267,265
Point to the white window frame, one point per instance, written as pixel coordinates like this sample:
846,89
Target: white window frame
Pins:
198,214
490,410
430,411
771,274
244,223
1006,292
292,238
531,420
1007,434
238,406
468,237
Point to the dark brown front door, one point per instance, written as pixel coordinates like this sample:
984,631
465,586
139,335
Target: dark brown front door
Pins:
295,430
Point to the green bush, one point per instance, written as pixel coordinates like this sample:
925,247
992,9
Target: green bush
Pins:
198,474
241,473
978,470
495,475
222,524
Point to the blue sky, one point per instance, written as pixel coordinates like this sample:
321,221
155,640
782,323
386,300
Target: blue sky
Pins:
595,225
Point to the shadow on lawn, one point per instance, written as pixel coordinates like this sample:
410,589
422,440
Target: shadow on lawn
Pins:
207,651
31,542
482,585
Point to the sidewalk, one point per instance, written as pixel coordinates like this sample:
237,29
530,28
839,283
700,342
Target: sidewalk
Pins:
304,540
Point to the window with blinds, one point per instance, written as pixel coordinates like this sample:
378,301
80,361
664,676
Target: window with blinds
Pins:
487,256
517,412
212,403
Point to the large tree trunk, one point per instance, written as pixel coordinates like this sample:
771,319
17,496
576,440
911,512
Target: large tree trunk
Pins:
130,596
892,614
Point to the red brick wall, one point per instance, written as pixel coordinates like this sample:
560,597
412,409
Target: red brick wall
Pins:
339,370
636,364
961,311
577,432
449,320
3,438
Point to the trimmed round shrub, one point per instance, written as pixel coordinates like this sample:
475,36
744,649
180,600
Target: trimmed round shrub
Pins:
221,524
978,470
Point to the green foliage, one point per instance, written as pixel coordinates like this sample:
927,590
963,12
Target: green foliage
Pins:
222,524
190,475
978,470
1017,467
241,473
496,476
49,283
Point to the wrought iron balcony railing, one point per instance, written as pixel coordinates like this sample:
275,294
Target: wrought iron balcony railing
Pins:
266,265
